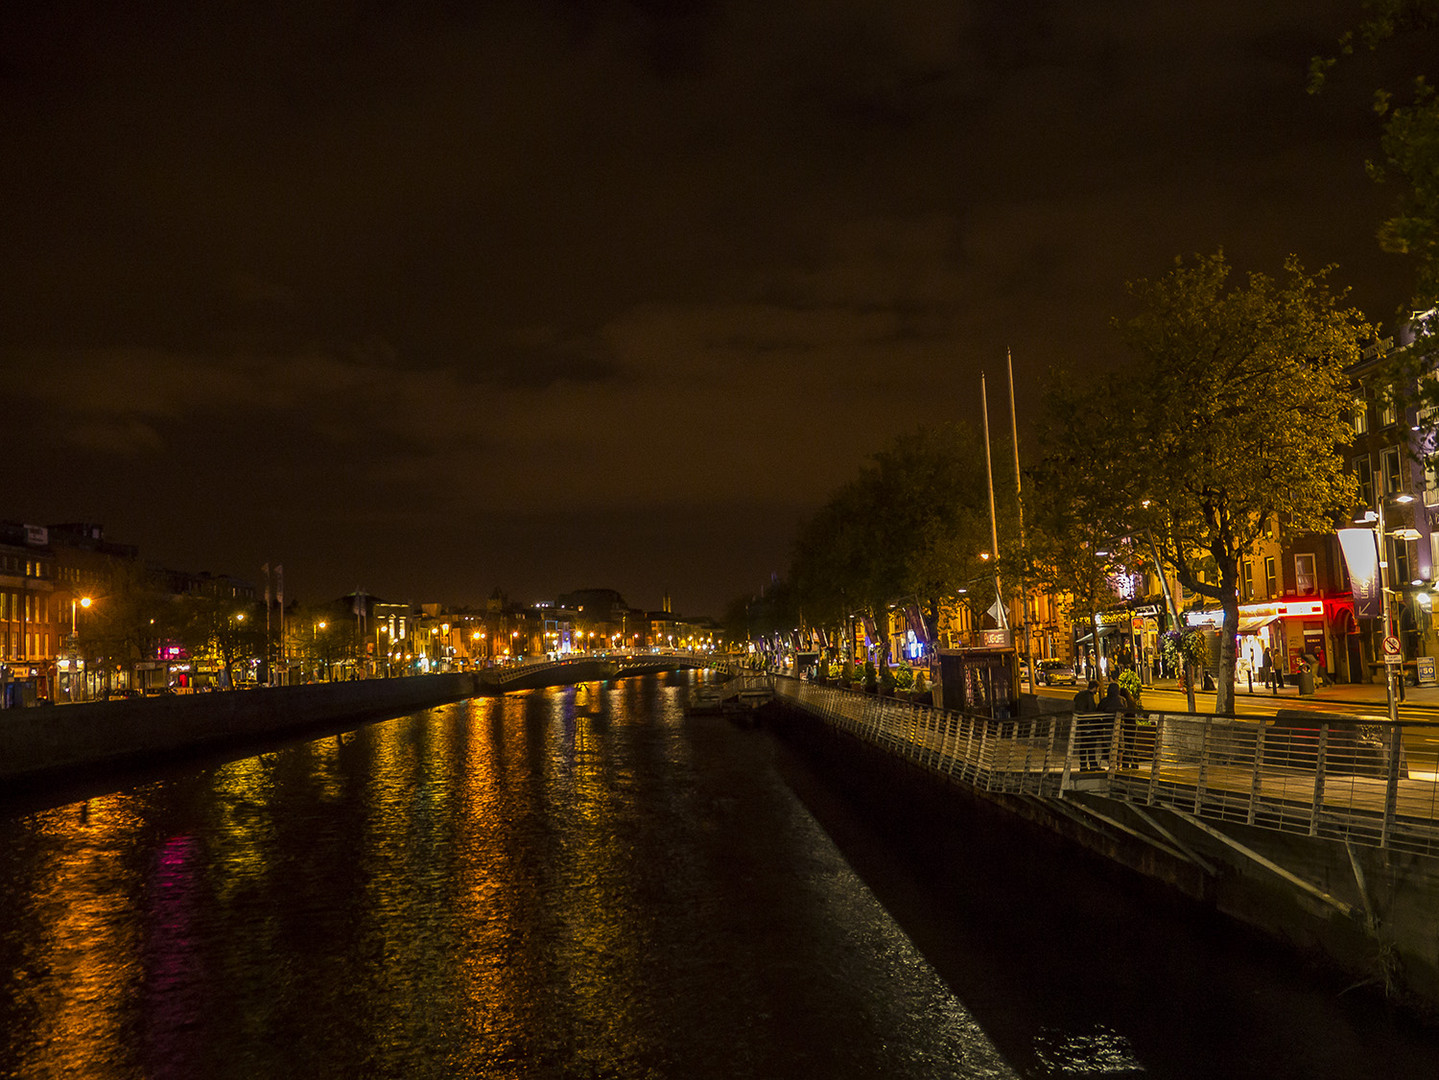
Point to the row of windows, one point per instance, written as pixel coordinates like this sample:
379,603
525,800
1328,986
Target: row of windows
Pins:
76,576
1390,475
24,606
1388,414
1271,578
1306,581
37,646
16,564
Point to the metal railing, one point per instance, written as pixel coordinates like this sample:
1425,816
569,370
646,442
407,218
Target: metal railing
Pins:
621,659
1336,778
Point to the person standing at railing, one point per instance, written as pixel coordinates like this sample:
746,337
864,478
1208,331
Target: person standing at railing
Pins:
1117,701
1090,727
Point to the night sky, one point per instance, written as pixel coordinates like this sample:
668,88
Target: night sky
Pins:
551,295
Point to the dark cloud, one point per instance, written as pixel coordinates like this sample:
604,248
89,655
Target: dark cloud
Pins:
451,295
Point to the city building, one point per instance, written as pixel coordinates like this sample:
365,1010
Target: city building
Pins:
29,620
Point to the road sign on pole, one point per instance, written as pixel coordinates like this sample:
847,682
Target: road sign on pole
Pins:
1393,651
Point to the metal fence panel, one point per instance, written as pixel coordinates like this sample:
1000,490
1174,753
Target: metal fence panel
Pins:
1338,779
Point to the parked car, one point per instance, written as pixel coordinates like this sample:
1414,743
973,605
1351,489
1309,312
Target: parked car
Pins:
1053,672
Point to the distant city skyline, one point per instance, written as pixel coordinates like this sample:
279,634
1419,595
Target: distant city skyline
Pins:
427,299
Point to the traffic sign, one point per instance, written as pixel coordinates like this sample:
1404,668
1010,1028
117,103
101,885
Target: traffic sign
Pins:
1392,649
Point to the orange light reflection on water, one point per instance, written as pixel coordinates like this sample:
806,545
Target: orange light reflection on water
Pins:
81,939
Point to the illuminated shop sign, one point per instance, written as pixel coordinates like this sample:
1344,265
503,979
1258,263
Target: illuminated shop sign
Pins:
1281,609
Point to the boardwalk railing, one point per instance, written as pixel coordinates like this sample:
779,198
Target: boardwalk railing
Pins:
1333,778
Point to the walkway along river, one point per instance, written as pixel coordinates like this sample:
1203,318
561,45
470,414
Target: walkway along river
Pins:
585,882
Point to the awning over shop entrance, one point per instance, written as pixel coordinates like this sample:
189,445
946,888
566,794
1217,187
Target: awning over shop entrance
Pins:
1249,624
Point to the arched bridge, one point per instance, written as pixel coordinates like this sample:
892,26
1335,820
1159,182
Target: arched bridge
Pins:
566,671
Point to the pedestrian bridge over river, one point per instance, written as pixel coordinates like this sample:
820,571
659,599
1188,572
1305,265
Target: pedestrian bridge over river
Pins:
585,667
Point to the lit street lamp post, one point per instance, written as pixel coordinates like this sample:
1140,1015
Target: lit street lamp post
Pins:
1391,663
315,645
74,657
1392,660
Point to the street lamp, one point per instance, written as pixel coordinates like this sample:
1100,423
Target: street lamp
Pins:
315,643
74,657
1376,516
84,602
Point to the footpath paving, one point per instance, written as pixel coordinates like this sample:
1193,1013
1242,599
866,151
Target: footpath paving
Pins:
1375,694
1369,696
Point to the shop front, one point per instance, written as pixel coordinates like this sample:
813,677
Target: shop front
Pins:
1127,637
1301,635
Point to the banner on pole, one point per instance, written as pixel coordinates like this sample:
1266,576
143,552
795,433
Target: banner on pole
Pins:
1361,555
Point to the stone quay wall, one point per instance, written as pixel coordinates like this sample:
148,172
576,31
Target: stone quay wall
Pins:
40,744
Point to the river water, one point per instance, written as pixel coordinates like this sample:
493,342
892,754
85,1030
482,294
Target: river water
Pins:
583,883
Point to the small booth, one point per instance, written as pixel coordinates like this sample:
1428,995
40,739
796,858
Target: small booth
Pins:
805,663
983,680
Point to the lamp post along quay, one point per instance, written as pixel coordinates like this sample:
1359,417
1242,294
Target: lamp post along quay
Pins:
1393,647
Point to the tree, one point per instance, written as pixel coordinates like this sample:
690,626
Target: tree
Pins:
1235,411
1075,507
909,529
131,618
760,618
230,630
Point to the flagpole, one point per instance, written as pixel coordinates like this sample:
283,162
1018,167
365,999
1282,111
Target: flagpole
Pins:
993,521
1019,502
265,570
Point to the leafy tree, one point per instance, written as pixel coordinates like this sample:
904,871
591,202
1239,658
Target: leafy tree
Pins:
909,528
760,618
318,634
231,631
1075,532
1235,411
130,619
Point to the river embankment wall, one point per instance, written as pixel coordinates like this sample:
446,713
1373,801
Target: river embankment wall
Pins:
1370,918
50,745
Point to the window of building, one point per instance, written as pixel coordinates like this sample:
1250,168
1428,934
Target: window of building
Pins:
1431,482
1399,563
1388,414
1246,585
1389,463
1304,582
1361,416
1364,474
1271,577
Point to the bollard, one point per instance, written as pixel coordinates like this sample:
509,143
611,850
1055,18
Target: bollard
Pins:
1250,675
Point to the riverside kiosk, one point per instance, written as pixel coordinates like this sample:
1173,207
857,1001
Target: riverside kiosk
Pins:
983,679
